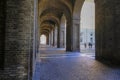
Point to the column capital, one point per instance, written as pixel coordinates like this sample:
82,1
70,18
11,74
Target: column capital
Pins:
76,21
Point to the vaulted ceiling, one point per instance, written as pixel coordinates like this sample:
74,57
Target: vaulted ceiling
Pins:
51,11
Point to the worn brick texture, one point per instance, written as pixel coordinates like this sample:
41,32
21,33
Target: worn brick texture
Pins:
18,43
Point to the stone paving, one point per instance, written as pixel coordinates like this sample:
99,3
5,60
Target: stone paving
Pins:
56,64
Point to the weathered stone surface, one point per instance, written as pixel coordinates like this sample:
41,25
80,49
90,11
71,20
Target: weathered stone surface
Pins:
107,39
19,35
20,32
55,64
2,32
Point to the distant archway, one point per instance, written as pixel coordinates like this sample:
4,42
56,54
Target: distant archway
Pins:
43,39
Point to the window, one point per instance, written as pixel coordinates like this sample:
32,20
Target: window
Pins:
91,39
81,40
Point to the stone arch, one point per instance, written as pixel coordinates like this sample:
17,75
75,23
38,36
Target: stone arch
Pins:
77,9
49,20
62,8
76,23
47,25
45,30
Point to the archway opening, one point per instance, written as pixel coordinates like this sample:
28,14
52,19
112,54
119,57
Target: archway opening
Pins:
87,29
43,39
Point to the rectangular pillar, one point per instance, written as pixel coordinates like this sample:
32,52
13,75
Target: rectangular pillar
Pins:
58,38
105,30
2,33
117,30
69,34
53,37
76,35
56,33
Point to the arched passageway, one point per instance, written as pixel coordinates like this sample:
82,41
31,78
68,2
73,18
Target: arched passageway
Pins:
87,28
22,22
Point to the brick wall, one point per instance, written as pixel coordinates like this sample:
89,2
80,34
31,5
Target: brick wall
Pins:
19,30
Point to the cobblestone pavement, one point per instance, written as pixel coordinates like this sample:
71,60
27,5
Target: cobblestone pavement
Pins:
56,64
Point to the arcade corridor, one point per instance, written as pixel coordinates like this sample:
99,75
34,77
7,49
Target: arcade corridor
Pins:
66,26
56,64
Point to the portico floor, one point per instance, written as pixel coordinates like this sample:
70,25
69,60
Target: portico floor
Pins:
56,64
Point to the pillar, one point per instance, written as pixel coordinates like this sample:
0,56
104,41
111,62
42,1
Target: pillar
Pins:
76,35
47,39
117,30
56,32
62,37
72,35
19,36
99,28
58,37
2,33
36,39
62,32
105,29
69,32
53,37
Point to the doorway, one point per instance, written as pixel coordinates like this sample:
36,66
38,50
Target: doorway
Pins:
87,29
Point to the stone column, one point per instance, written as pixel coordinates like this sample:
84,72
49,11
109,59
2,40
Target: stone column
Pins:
69,32
62,31
76,35
72,35
53,37
62,36
47,39
18,44
2,32
65,37
99,25
117,30
56,36
35,39
105,29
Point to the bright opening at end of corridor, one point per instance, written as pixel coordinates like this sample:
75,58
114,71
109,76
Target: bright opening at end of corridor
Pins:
43,39
87,27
